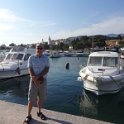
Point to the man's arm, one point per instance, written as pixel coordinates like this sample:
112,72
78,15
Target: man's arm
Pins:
32,75
31,72
44,72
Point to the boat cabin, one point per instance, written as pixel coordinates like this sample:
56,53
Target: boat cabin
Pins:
104,58
19,54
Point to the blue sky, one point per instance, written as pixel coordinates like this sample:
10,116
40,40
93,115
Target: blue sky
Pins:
30,21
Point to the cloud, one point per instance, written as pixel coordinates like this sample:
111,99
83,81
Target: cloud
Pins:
7,20
113,25
42,24
8,15
95,14
5,27
48,24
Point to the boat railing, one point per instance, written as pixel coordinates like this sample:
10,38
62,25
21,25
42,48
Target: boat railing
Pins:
112,49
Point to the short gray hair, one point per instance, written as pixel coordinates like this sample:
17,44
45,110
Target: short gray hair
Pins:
39,45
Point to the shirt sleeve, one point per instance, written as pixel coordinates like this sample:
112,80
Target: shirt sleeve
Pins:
47,62
29,62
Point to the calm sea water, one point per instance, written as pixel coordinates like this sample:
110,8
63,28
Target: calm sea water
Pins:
66,93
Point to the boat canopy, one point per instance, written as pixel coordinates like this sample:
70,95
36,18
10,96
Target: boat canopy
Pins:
104,54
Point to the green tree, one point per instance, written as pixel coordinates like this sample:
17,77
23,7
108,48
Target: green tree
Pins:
3,47
99,40
12,44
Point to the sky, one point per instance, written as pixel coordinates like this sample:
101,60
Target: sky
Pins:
30,21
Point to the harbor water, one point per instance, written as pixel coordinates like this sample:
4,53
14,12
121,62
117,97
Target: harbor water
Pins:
66,93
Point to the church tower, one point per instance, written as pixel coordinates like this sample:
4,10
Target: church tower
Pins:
49,40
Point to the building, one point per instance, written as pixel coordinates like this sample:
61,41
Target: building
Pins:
112,43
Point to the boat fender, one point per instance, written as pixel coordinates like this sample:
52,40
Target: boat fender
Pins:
67,65
18,70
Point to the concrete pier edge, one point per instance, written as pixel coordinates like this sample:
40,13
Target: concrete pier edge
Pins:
12,113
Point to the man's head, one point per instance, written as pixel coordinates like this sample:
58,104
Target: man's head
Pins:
39,49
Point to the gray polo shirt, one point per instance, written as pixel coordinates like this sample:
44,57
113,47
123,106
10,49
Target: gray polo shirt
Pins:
38,63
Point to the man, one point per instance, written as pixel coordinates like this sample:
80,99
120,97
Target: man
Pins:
38,65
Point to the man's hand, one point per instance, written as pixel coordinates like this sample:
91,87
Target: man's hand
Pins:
40,79
37,79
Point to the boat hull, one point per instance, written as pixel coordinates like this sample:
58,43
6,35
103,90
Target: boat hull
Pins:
6,74
102,89
103,85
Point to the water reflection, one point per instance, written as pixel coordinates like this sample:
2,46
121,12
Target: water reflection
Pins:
109,108
15,90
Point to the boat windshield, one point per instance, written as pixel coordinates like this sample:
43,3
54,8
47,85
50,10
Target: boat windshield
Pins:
19,56
9,56
95,61
14,56
110,61
103,61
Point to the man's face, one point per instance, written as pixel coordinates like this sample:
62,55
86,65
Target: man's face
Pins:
39,50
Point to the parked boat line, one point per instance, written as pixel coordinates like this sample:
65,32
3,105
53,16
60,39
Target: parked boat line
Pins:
57,54
60,53
14,63
54,54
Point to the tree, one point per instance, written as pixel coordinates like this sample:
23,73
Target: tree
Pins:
119,37
12,44
99,40
3,46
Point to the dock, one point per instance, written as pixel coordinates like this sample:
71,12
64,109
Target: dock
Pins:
12,113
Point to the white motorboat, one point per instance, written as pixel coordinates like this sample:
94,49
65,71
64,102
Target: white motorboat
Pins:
103,73
15,62
54,54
